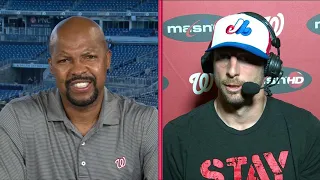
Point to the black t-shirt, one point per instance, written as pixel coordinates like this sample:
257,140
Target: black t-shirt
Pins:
282,145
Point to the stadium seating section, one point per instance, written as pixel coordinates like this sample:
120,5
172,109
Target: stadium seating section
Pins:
122,53
20,51
151,5
43,5
9,91
127,61
2,3
82,5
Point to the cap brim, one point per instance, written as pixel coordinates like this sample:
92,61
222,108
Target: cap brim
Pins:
245,47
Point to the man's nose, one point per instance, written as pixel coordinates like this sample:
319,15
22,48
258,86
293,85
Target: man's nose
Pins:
233,67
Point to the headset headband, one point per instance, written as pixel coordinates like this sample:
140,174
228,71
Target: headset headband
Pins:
275,41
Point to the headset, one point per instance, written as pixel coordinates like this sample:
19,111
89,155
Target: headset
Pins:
273,67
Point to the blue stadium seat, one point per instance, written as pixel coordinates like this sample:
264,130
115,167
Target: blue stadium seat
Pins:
2,3
138,32
131,32
115,31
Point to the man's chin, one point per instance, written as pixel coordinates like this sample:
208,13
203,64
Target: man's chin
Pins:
82,101
233,98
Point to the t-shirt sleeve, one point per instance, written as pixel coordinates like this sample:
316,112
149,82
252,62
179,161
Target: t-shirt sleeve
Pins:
150,145
11,149
309,167
172,154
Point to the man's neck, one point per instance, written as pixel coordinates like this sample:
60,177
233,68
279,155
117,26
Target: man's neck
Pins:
244,117
83,118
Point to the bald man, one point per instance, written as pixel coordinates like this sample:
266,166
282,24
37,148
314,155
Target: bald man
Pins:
79,130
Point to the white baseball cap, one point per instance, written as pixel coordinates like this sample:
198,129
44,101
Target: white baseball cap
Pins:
244,32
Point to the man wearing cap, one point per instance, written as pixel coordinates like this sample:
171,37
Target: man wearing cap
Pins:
243,133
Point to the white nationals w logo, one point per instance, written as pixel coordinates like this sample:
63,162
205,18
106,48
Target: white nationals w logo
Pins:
201,83
277,22
120,162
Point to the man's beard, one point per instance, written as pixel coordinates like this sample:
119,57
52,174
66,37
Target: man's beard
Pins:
86,102
235,99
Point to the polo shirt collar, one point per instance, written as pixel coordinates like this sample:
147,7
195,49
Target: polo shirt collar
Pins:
110,113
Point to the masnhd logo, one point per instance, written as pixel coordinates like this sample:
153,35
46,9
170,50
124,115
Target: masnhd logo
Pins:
292,80
190,28
314,24
199,27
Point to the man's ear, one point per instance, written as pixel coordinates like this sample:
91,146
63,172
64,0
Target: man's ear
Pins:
108,59
50,65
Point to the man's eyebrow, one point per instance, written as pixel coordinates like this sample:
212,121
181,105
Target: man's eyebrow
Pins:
85,53
90,50
62,53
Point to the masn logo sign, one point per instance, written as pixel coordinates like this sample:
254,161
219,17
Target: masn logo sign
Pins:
165,83
314,24
190,28
199,27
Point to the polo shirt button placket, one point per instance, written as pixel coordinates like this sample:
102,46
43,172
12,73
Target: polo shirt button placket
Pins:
83,163
83,171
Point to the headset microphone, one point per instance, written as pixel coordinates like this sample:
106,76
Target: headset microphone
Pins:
251,88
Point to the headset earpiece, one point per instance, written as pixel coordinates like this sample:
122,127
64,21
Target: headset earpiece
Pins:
206,62
273,67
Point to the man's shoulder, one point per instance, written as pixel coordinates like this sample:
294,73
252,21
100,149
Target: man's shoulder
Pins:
32,102
295,115
287,106
27,110
190,119
290,108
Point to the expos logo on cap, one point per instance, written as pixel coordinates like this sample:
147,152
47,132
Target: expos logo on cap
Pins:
244,32
241,27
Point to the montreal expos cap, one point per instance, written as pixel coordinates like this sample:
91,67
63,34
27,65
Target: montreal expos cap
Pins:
244,32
